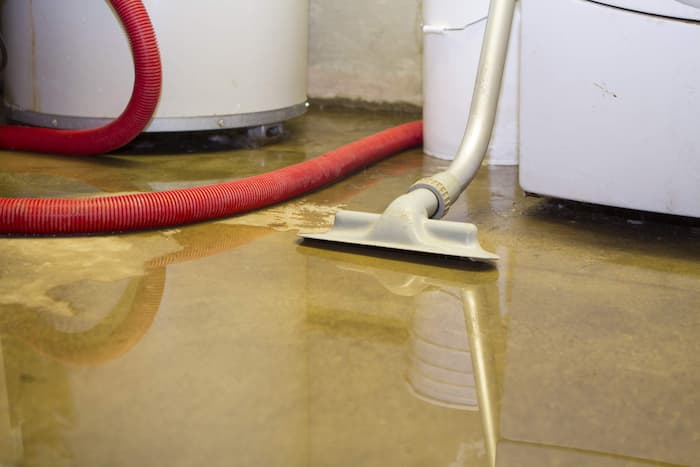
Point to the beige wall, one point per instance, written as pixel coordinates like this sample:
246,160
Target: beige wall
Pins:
368,50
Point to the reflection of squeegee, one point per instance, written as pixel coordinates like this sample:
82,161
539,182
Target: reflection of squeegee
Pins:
406,223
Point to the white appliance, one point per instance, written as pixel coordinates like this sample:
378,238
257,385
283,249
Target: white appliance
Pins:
226,64
610,102
453,32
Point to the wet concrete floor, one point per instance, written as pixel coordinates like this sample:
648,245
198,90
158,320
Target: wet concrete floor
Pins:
232,343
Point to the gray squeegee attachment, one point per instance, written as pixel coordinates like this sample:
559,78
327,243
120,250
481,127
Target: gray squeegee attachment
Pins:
404,225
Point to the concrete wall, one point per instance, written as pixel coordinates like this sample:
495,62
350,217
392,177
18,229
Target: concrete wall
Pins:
367,50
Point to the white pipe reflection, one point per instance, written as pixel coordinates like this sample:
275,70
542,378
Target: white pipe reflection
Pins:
451,362
484,370
440,369
451,355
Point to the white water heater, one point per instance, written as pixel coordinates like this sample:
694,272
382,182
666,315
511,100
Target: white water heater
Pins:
226,64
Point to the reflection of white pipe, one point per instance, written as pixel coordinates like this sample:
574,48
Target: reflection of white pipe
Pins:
484,373
450,361
11,447
455,334
440,367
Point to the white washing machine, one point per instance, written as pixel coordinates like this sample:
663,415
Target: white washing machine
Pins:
610,102
226,64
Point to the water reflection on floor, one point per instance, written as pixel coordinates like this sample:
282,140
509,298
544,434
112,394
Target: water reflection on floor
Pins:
232,343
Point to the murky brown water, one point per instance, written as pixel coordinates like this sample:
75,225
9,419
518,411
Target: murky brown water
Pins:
232,343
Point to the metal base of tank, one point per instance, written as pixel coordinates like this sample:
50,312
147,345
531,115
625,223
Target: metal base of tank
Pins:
161,124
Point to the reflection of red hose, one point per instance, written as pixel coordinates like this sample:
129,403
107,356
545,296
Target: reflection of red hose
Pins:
136,115
111,338
169,208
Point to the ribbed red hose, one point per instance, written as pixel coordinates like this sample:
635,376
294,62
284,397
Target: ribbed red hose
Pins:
134,118
170,208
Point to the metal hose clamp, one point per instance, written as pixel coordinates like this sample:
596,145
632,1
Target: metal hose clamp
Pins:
439,190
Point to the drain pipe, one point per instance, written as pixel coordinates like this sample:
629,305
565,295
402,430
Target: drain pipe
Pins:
449,184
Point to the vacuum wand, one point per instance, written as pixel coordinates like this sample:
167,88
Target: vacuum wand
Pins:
409,222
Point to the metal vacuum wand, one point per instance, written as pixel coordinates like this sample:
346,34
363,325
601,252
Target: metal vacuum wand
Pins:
409,222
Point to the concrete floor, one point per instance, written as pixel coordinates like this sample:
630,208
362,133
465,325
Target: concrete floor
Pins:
232,343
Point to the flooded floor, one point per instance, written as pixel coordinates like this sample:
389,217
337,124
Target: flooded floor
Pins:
233,343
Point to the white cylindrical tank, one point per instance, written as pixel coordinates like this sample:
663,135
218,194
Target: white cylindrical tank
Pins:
226,64
453,32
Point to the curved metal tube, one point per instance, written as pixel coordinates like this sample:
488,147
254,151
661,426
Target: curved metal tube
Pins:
449,184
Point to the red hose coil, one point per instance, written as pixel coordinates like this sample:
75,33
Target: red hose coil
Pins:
62,216
134,118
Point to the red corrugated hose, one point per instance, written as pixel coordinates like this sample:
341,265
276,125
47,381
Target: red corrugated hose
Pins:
61,216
